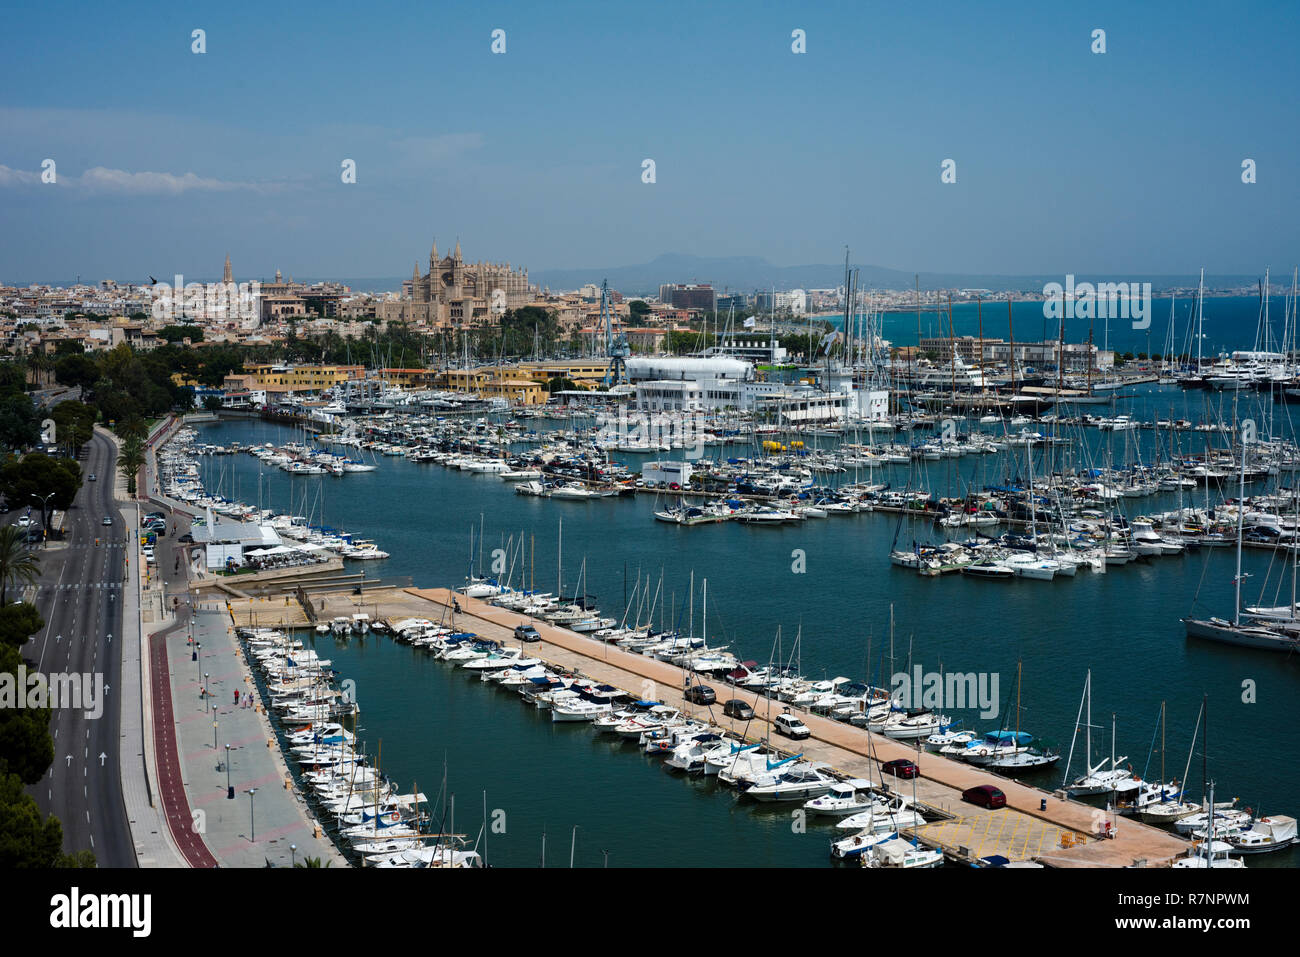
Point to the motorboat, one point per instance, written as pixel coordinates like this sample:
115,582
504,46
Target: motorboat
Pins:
1272,833
899,852
844,799
798,782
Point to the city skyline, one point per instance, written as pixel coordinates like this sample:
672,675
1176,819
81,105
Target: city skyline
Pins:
1066,160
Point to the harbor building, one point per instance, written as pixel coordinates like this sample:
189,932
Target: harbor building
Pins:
998,352
715,383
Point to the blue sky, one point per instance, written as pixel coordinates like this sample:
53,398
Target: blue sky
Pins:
1067,161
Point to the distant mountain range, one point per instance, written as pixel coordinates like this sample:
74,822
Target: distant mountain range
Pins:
750,273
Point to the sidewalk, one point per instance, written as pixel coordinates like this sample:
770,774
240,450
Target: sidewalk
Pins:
149,832
275,824
243,831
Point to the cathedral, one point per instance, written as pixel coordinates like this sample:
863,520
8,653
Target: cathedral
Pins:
457,293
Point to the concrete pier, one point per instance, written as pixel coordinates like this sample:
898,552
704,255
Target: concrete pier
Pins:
1036,825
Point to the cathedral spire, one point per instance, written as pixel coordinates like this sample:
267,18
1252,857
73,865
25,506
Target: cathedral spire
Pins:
227,276
415,274
456,254
433,256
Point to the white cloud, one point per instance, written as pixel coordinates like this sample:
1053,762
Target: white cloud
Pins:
17,177
444,146
101,179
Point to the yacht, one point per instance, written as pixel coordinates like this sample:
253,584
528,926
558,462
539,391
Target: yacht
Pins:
845,798
1272,833
798,782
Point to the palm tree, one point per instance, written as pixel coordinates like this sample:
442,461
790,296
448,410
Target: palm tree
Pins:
130,459
312,862
133,427
17,563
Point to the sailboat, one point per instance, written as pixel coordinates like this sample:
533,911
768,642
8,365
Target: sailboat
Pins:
1172,807
1097,779
1249,634
1029,759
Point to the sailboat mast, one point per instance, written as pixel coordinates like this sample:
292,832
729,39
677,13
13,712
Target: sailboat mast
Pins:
1200,318
1088,726
1241,517
1011,345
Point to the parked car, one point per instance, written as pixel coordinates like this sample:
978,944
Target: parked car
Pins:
900,768
526,633
791,726
740,710
701,694
985,795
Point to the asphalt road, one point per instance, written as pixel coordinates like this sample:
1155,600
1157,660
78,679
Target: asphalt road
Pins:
79,595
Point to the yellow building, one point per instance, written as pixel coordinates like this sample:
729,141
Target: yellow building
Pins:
585,373
515,391
496,382
280,378
407,378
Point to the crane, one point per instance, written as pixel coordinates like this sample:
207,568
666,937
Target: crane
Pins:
616,347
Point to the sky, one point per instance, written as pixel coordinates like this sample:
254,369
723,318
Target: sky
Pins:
1066,160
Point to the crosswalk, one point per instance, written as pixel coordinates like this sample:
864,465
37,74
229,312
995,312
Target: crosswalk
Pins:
77,586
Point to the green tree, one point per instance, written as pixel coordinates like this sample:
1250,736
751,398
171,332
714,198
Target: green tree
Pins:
27,839
74,423
678,342
19,427
130,460
17,563
18,622
177,333
76,371
37,477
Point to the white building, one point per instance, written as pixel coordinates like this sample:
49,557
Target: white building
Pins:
667,473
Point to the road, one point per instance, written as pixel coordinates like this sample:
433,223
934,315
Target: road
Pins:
79,595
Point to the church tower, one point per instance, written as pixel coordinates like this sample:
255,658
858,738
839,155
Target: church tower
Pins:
227,276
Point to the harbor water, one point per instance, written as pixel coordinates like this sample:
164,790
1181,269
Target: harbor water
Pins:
828,581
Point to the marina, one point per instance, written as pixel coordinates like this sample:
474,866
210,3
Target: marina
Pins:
538,558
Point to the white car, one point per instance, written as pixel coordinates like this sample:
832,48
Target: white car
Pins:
791,726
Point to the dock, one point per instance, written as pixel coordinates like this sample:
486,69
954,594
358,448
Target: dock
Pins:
1036,825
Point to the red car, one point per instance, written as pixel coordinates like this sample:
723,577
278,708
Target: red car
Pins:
985,795
900,768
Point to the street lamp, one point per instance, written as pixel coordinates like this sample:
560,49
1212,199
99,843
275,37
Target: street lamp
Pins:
252,836
44,500
293,855
230,788
214,736
206,695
